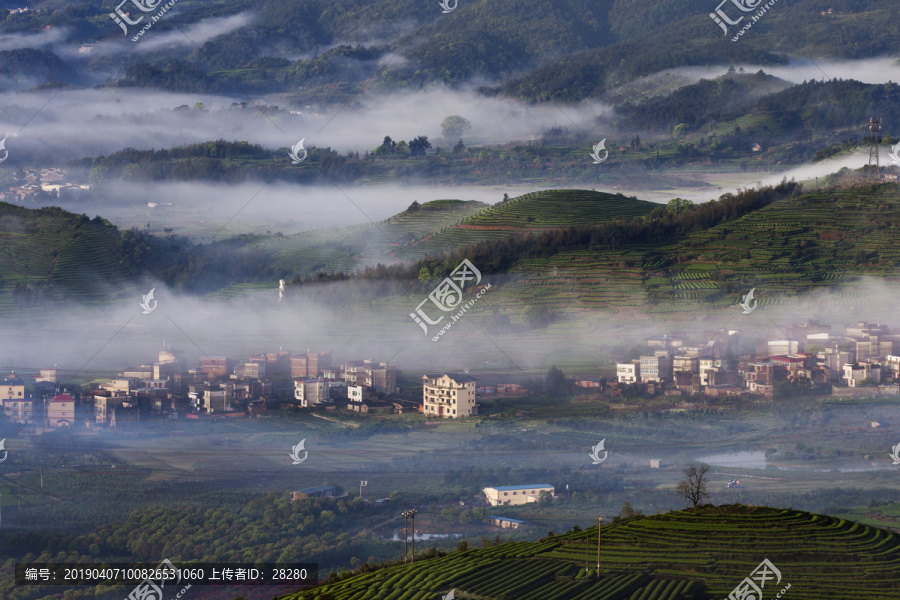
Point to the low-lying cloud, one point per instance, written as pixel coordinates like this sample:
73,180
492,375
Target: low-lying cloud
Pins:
57,127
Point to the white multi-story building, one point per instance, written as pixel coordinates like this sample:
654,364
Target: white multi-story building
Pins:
355,393
628,372
516,494
310,392
450,395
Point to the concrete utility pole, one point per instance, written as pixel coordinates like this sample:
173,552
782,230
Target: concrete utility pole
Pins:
587,542
412,513
599,527
405,515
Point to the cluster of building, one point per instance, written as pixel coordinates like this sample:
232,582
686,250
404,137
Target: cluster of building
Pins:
863,359
864,355
44,408
52,182
222,387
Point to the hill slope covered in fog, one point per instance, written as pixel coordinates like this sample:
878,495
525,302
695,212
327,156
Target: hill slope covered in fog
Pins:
604,251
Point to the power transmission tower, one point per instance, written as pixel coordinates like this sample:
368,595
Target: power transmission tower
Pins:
874,158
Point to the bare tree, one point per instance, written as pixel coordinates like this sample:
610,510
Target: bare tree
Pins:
693,487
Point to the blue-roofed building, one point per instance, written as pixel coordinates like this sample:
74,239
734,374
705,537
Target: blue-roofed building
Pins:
516,494
506,522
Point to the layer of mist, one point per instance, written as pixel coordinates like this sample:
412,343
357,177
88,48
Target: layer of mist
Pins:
56,127
110,337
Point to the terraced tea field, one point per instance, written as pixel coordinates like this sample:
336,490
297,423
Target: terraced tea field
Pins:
689,554
442,226
790,248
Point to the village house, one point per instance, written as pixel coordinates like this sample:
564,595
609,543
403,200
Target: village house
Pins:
215,366
61,411
591,383
371,407
310,365
856,373
20,411
656,368
685,364
12,389
105,403
664,341
310,392
891,367
628,372
382,377
506,522
449,395
402,406
317,491
516,494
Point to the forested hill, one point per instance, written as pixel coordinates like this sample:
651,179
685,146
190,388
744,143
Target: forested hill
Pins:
530,49
804,29
51,254
699,554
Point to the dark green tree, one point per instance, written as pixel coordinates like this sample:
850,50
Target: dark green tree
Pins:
419,145
556,384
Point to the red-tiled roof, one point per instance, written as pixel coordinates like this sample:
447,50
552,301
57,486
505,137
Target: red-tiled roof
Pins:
63,398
